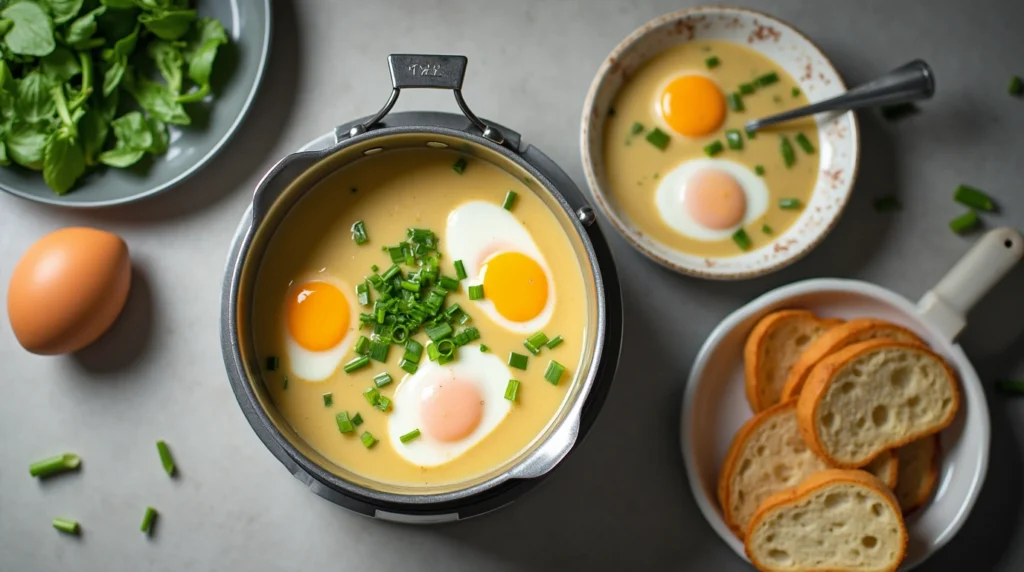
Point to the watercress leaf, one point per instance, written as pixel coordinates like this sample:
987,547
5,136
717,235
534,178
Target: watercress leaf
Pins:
25,145
196,95
108,106
60,65
7,83
83,27
113,75
168,25
126,45
132,131
34,101
85,63
4,159
207,29
92,131
208,36
169,62
161,138
5,26
120,4
158,100
121,157
153,5
63,10
31,32
63,161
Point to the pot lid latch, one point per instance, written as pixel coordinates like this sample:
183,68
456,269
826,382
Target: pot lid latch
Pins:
434,72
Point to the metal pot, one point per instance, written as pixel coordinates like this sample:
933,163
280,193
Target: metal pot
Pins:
297,174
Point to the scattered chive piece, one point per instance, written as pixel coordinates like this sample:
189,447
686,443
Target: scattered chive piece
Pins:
964,222
448,283
712,62
363,345
658,138
747,88
363,293
432,353
510,200
795,92
438,331
484,348
1008,386
445,348
165,458
554,372
759,169
55,464
734,139
391,272
790,204
328,399
413,351
284,382
637,128
898,111
368,439
374,267
357,420
531,348
445,359
554,342
1016,86
382,379
517,361
537,340
974,198
345,424
371,395
409,436
804,143
766,229
751,134
66,525
735,101
741,239
359,232
407,365
383,404
460,270
713,148
459,166
476,292
147,520
379,351
887,204
273,363
358,363
786,148
767,79
400,334
512,390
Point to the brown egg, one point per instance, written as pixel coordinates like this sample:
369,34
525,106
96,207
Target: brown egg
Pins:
68,289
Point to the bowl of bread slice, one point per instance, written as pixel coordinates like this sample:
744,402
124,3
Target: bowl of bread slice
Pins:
832,424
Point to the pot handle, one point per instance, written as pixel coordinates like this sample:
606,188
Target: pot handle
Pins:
946,305
433,72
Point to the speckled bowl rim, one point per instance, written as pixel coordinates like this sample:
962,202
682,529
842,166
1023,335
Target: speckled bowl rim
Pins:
604,204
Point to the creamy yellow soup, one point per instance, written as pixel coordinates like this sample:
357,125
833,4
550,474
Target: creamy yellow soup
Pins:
635,167
391,192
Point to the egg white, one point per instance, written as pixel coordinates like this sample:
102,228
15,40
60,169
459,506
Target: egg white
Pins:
318,366
486,371
670,196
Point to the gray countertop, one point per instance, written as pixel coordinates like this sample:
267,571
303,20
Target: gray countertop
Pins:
621,501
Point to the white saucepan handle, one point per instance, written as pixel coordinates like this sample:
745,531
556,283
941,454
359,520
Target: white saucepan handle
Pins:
946,305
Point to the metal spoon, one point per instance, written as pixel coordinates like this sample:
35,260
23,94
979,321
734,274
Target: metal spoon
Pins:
910,82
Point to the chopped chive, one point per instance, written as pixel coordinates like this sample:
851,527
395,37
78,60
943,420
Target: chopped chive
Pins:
804,143
554,342
734,139
735,101
55,464
554,372
713,148
400,334
512,390
459,166
517,361
472,333
790,204
273,363
359,232
510,200
974,198
411,286
408,365
767,79
445,348
381,379
637,128
747,88
759,169
165,458
898,111
374,267
379,351
766,229
383,403
741,239
358,363
484,348
368,439
751,134
413,351
66,525
391,272
712,62
284,382
1015,387
409,436
658,138
357,420
1016,86
531,348
537,340
371,395
147,520
396,254
432,353
344,423
460,270
476,292
795,92
363,293
438,331
362,345
448,283
445,359
328,399
965,222
786,148
887,203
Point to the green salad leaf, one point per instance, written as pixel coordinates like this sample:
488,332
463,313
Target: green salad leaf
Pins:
63,10
31,31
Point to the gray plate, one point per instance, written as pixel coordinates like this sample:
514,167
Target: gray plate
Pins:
237,74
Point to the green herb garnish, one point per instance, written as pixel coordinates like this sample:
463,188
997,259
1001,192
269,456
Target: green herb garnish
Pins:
795,92
712,62
409,436
459,166
767,79
147,520
658,138
741,239
747,88
790,204
356,364
510,200
974,198
734,139
786,148
328,399
512,390
359,232
382,379
964,223
713,148
517,361
554,342
165,458
554,372
66,525
804,143
735,101
766,229
759,170
55,464
637,128
1016,86
368,439
476,292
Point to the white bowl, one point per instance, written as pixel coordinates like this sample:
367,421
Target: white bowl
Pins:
839,148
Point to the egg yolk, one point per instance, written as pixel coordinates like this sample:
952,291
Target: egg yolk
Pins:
451,409
516,285
317,316
715,199
692,105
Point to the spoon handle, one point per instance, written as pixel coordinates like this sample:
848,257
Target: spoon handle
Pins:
910,82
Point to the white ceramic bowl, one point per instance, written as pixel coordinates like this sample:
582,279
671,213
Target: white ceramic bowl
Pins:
715,405
838,134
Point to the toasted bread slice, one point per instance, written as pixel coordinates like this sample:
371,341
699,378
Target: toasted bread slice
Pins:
873,396
772,347
837,338
836,521
886,468
919,469
767,455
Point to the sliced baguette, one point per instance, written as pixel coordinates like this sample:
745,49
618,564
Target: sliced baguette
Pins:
837,338
772,347
767,455
886,467
873,396
919,469
836,521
